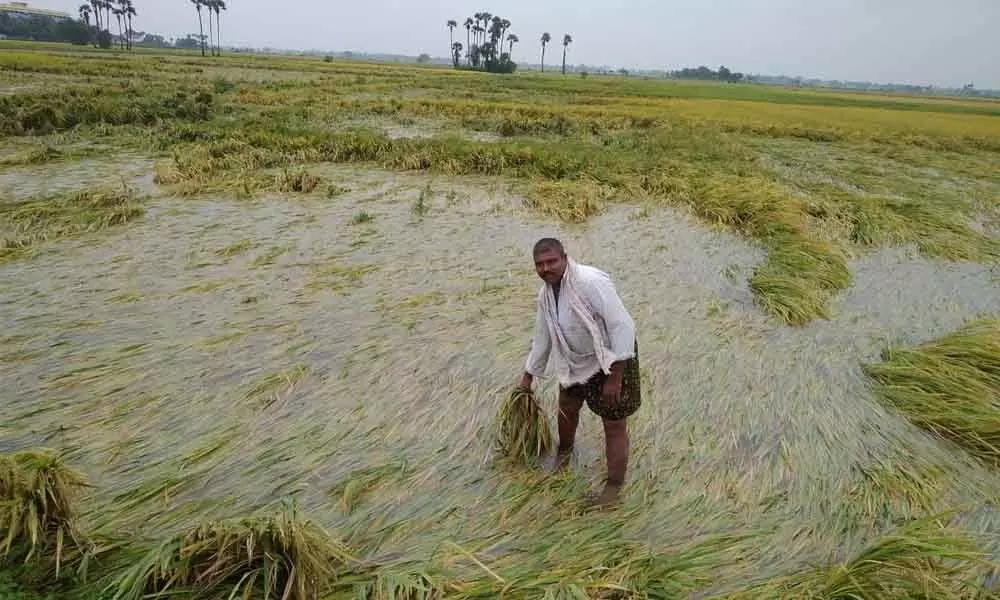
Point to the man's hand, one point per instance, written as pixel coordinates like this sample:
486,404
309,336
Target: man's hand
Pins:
612,391
526,382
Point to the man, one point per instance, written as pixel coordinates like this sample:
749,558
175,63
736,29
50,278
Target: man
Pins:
590,336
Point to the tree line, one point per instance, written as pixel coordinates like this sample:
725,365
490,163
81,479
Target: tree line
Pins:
486,35
704,73
102,11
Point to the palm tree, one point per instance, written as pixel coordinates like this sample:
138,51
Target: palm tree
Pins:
201,27
452,24
107,15
128,8
456,53
218,6
95,6
468,38
121,36
567,40
546,38
513,39
209,7
85,16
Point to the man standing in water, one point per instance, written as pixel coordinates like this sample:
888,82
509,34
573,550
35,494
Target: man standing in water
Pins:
585,328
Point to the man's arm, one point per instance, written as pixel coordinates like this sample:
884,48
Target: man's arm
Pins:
620,326
541,345
621,333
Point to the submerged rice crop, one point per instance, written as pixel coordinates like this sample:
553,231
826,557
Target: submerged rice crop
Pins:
330,294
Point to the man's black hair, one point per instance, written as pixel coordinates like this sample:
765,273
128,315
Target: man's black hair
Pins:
547,244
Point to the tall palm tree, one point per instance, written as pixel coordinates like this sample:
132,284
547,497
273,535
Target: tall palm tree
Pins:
121,36
218,6
468,38
107,15
128,9
567,40
209,7
201,27
95,6
546,38
85,16
513,39
452,24
487,17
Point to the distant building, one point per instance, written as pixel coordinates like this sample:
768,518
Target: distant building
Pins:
21,10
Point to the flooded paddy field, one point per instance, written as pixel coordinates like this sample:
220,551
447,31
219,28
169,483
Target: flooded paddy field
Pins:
336,320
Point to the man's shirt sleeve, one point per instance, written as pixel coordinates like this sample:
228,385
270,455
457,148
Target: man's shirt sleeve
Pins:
541,345
619,324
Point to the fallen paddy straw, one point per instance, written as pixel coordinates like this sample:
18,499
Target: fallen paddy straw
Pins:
277,555
26,223
523,431
37,512
950,386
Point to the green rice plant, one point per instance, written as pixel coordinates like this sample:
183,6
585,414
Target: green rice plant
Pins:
37,513
357,484
27,223
950,386
46,112
36,156
922,559
276,555
393,581
523,432
799,278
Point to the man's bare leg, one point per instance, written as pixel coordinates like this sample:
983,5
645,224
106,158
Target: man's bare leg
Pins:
569,420
617,448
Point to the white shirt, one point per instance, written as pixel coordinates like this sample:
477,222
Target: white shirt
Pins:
611,315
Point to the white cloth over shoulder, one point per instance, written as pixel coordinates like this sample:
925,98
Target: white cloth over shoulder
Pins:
586,331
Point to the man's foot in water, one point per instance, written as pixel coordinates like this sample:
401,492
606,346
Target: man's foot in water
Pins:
561,462
609,498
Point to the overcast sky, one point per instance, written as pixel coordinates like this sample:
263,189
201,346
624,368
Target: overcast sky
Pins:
940,42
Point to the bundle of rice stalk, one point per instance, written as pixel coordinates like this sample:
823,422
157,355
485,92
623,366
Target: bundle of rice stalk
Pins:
523,431
279,555
37,517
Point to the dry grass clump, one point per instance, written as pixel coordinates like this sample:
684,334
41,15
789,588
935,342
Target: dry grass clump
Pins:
950,386
29,222
37,514
278,555
296,181
523,432
570,201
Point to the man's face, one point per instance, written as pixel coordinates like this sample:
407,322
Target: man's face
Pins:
550,266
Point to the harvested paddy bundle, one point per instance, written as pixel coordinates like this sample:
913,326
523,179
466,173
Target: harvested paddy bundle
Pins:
523,431
37,517
279,555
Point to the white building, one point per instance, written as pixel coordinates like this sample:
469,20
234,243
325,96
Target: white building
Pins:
21,10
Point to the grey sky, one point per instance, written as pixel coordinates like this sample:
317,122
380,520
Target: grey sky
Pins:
950,42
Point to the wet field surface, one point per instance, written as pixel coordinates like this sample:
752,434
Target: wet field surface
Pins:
217,355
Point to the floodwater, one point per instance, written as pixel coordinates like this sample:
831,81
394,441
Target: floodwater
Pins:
217,355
